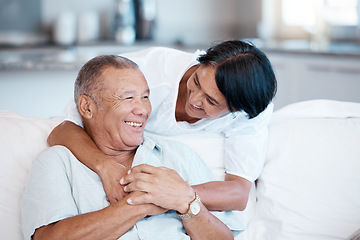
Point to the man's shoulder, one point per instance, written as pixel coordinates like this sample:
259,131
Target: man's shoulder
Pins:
54,155
56,150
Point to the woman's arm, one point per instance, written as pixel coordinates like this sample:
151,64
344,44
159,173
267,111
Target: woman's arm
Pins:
206,226
231,194
85,150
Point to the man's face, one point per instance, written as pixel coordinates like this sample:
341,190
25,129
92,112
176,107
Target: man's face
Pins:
124,109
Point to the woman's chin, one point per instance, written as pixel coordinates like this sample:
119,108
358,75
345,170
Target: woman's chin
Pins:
194,114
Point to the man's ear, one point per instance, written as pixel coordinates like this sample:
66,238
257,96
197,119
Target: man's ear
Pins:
86,106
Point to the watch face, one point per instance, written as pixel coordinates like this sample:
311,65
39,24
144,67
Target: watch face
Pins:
195,208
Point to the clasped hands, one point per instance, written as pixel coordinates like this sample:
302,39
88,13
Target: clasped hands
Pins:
160,186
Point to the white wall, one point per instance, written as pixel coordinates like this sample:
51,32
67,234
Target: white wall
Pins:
36,93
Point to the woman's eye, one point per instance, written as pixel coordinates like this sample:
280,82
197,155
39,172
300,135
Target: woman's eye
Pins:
210,102
196,82
128,98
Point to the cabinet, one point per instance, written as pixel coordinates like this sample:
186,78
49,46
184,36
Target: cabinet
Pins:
304,77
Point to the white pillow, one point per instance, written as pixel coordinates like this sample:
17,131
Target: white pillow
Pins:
310,184
21,140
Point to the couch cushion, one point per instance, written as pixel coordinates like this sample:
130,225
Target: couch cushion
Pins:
310,185
21,140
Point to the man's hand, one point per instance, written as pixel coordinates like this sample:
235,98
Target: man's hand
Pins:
163,187
151,209
110,175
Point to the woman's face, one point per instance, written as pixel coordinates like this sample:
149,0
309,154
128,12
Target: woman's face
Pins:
204,99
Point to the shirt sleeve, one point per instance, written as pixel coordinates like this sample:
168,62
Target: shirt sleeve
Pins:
246,146
38,206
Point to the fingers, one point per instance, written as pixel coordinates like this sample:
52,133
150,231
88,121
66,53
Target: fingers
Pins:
143,172
143,168
115,193
142,184
161,186
135,180
137,200
110,176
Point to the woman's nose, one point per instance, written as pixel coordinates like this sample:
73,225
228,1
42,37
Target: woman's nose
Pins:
196,98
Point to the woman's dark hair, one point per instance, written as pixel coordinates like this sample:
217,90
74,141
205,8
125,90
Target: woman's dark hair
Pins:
244,75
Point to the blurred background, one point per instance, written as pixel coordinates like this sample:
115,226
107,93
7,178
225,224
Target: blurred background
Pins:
314,45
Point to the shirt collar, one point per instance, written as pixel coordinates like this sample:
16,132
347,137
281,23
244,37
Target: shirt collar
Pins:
150,143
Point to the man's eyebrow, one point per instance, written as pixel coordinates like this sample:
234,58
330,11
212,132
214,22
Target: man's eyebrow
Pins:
211,98
126,93
147,91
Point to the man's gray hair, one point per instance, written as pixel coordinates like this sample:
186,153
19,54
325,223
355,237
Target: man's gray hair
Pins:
89,78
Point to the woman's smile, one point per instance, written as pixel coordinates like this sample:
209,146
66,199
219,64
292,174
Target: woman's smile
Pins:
196,108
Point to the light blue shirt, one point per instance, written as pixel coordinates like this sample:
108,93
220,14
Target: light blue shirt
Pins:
59,186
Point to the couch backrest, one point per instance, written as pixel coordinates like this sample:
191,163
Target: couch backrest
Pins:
309,188
310,185
21,139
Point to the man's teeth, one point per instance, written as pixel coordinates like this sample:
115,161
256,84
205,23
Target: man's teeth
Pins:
134,124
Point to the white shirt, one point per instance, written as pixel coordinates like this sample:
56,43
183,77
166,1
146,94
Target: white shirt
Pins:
245,139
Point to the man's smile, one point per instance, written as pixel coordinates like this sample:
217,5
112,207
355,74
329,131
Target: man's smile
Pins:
133,124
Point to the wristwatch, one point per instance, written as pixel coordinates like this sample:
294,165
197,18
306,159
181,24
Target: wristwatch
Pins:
194,208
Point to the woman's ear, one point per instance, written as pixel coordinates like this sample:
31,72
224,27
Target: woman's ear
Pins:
85,106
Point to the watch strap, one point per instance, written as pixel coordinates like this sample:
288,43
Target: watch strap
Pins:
189,214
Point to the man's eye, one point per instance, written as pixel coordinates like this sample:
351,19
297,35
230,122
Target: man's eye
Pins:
128,98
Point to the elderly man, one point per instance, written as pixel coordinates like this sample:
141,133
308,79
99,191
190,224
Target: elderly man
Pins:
63,199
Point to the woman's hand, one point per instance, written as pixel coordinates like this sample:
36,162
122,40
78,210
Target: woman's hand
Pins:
163,187
110,175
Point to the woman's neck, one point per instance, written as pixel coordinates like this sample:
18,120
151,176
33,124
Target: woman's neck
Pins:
180,113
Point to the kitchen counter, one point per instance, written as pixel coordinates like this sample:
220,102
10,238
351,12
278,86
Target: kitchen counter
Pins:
39,81
58,57
72,58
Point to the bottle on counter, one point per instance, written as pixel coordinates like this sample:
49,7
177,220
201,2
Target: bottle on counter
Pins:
65,29
124,22
145,15
88,27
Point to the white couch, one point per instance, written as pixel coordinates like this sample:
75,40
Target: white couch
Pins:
309,188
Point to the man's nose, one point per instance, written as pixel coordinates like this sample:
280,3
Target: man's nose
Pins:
141,107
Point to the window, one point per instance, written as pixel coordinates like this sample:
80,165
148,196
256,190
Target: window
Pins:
306,12
302,19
